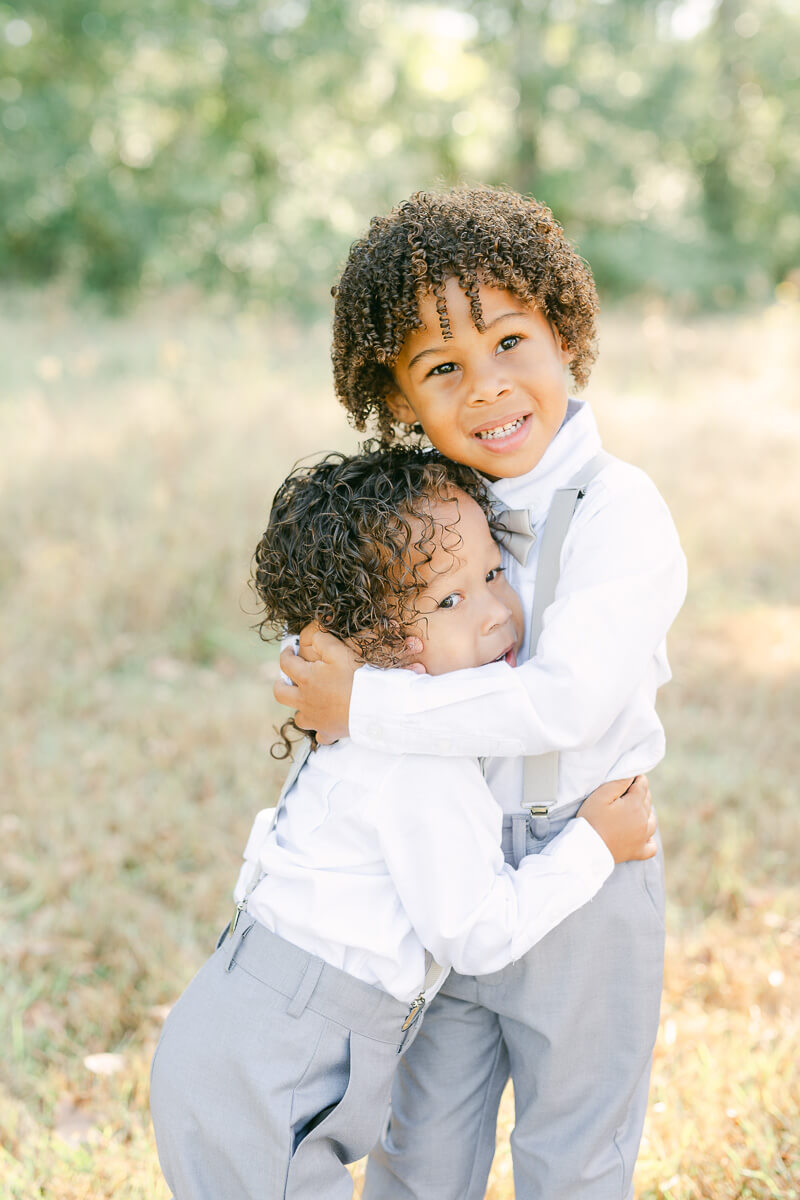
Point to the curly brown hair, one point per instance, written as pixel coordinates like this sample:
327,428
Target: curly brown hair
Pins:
347,541
480,235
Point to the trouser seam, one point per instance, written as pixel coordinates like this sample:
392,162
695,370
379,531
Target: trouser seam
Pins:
621,1163
482,1122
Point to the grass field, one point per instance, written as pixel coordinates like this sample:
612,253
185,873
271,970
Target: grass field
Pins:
138,458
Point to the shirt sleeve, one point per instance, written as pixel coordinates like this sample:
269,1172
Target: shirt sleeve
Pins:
622,582
442,848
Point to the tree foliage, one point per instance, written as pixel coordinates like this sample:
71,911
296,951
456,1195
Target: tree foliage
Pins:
243,144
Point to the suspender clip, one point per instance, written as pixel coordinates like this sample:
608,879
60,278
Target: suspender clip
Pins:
235,921
539,810
413,1012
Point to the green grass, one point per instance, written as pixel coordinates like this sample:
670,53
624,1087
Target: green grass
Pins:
138,463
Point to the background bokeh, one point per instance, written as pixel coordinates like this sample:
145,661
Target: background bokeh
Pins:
243,145
178,185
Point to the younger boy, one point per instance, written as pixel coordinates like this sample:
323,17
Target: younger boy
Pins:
459,313
275,1067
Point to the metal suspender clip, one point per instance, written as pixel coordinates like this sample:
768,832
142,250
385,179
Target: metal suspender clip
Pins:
539,810
413,1012
235,919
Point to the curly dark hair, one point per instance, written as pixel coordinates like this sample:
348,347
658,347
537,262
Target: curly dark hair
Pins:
346,543
480,235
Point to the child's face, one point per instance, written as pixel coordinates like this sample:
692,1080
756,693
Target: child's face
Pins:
469,614
492,400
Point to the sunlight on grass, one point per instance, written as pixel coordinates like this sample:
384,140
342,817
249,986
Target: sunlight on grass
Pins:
139,459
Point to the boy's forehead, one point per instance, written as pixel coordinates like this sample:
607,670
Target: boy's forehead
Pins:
437,312
459,529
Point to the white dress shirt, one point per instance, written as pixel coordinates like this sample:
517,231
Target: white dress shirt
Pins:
376,858
590,690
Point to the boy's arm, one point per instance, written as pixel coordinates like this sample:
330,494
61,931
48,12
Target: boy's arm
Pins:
623,580
468,907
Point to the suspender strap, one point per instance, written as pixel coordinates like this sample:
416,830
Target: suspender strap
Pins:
296,768
433,972
265,823
540,772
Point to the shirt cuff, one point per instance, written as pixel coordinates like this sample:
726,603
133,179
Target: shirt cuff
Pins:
586,849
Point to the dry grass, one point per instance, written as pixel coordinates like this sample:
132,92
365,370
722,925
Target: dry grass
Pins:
138,461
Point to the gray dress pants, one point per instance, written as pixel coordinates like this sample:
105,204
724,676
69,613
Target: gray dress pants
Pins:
274,1070
573,1023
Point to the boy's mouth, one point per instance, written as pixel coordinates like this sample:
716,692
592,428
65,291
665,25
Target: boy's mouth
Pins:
508,656
499,435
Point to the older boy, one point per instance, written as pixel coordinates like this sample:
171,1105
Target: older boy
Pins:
459,313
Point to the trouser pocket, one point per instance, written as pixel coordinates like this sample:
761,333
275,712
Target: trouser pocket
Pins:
342,1130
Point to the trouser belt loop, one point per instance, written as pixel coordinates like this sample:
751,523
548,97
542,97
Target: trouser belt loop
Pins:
519,837
305,990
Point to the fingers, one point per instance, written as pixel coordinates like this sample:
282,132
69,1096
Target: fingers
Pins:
412,647
298,671
285,693
608,793
303,722
650,847
294,666
639,788
309,649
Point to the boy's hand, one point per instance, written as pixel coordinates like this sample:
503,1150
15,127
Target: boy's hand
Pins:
322,675
625,819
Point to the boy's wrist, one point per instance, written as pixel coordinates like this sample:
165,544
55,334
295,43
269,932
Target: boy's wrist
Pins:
586,841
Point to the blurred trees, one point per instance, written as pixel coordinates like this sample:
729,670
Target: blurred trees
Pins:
245,144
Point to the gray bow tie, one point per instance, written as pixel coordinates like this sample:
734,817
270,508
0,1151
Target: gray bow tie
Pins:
516,532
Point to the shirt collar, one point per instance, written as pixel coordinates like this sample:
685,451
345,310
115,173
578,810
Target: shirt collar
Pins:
576,442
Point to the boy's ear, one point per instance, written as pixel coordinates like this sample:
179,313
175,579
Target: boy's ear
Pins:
399,407
565,352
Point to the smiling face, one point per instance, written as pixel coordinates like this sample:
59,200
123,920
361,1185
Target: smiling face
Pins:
469,614
493,400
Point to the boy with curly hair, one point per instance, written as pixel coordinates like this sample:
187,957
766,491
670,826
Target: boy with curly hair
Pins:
275,1067
458,315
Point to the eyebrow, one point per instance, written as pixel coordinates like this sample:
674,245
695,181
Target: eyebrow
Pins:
440,349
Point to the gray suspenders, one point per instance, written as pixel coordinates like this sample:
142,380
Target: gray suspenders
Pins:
267,825
268,820
540,772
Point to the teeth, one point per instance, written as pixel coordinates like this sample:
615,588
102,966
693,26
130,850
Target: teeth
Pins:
501,430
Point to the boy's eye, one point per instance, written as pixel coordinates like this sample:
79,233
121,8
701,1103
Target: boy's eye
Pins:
443,369
508,343
450,601
494,574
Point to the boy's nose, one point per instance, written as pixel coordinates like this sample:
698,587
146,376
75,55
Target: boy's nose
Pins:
488,384
496,613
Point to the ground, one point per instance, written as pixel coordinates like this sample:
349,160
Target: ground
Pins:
139,457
